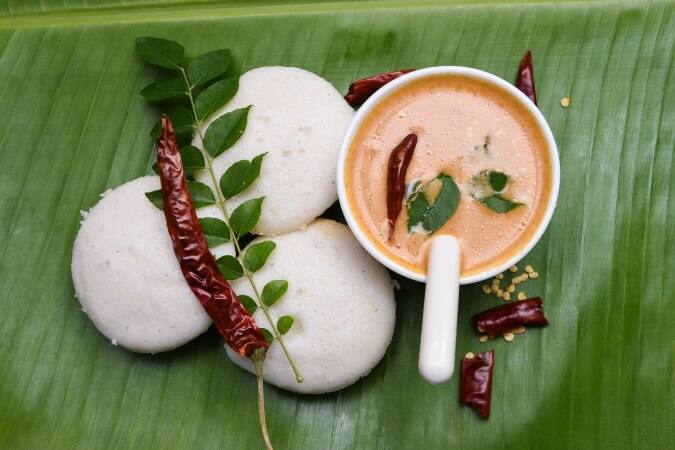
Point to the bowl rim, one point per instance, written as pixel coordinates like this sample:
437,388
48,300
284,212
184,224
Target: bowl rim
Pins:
400,83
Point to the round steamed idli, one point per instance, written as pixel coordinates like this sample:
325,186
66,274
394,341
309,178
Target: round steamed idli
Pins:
343,304
126,275
299,119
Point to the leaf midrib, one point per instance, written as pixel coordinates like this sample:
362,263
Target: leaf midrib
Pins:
161,12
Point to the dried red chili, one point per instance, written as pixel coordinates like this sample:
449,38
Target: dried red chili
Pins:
476,382
525,80
360,90
196,261
496,321
399,160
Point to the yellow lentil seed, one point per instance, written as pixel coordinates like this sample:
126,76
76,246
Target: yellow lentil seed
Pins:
513,269
522,296
469,355
483,338
508,337
506,296
529,269
494,289
500,293
520,329
510,288
499,276
486,288
565,102
534,275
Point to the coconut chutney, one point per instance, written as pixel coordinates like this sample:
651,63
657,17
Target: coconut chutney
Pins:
465,127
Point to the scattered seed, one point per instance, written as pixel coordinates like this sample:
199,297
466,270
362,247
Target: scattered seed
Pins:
534,275
506,296
481,329
483,338
513,269
522,296
499,276
500,293
494,289
520,329
510,288
486,288
469,355
529,269
508,337
565,102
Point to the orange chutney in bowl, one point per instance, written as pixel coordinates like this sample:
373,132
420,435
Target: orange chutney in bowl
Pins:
465,127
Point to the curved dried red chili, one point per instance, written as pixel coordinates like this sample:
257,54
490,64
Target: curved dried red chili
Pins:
360,90
500,319
197,263
525,80
476,382
399,160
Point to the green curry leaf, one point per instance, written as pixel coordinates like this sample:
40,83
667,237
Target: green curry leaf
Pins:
245,216
160,52
215,231
267,335
164,89
208,66
256,255
248,303
444,206
498,180
202,195
157,198
230,267
284,324
432,215
225,131
499,204
273,291
215,96
240,176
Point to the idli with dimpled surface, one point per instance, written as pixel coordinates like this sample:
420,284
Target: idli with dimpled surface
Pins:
299,119
126,274
343,304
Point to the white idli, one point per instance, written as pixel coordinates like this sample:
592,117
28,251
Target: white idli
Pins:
343,304
299,119
127,277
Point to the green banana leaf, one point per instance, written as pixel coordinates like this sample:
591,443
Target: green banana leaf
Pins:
599,376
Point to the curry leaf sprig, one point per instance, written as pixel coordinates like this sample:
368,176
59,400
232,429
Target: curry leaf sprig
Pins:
194,90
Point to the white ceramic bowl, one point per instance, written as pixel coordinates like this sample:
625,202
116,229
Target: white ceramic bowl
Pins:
400,83
436,336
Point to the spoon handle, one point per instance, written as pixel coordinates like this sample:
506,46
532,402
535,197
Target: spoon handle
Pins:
439,320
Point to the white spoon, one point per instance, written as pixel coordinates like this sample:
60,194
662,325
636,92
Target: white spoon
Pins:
439,320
